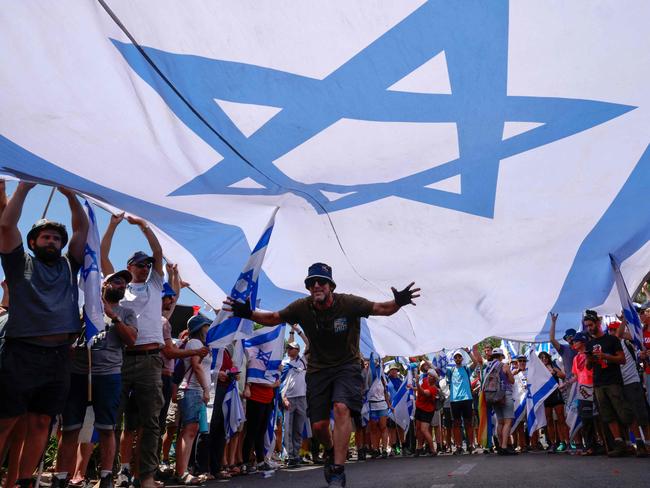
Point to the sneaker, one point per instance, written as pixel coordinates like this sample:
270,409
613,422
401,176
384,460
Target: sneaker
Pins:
105,482
384,454
551,449
293,463
458,451
124,478
620,449
328,461
561,447
361,454
470,449
418,452
641,450
406,452
59,483
337,479
265,466
25,483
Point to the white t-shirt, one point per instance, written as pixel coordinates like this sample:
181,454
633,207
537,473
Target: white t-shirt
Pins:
628,370
206,362
145,300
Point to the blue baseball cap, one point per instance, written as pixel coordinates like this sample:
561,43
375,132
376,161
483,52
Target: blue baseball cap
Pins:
140,257
568,334
196,322
167,291
580,337
320,270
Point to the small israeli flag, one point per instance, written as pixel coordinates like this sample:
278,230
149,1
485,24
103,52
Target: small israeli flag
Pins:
91,279
265,350
629,312
233,410
226,328
539,385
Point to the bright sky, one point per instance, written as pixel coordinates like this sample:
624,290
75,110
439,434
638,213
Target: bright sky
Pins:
128,238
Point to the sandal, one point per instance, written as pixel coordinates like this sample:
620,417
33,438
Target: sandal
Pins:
188,480
234,470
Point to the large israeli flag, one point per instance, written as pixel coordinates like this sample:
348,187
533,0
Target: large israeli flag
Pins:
388,132
632,318
539,385
226,328
91,279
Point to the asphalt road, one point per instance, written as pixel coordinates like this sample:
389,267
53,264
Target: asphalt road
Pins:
477,470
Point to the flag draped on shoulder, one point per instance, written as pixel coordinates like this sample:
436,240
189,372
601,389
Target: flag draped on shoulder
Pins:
540,384
91,279
629,312
227,328
265,349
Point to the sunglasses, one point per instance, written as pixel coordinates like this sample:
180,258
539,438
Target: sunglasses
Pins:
312,281
142,265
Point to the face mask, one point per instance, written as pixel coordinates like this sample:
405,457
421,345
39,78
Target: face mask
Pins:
113,295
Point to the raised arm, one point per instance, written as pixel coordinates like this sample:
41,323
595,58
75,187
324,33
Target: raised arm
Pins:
401,298
243,310
296,329
551,333
79,225
10,237
107,240
156,249
3,196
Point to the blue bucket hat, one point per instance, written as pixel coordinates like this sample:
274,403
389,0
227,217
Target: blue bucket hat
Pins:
140,257
167,291
196,322
320,270
580,337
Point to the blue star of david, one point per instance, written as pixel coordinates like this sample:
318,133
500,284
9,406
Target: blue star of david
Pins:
246,278
474,37
94,266
265,357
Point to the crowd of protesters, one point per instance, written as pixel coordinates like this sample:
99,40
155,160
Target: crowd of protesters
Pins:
156,399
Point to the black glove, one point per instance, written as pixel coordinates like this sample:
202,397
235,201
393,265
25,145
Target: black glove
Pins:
242,310
405,296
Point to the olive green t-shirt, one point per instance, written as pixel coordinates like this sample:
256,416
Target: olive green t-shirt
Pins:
334,333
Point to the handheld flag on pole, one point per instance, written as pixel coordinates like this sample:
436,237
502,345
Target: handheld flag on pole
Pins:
226,328
91,279
629,312
539,384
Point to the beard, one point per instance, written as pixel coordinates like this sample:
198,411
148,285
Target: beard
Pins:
47,253
112,295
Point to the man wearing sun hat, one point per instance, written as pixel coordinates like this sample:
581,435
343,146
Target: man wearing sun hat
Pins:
332,323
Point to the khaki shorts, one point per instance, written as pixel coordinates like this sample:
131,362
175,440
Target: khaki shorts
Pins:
612,404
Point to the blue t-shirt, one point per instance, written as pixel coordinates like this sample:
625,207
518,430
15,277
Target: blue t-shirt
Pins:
459,385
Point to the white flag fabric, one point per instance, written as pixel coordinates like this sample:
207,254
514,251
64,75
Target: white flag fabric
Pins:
539,385
632,318
480,149
91,279
573,420
402,403
233,410
265,349
519,396
226,328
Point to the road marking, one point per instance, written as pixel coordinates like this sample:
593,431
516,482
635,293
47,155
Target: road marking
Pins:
463,469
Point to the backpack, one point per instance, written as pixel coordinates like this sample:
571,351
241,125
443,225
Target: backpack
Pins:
494,394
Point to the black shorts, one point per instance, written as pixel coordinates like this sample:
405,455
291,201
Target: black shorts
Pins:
554,399
33,379
423,416
462,410
446,417
342,384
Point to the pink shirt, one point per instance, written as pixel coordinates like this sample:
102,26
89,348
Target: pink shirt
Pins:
585,376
